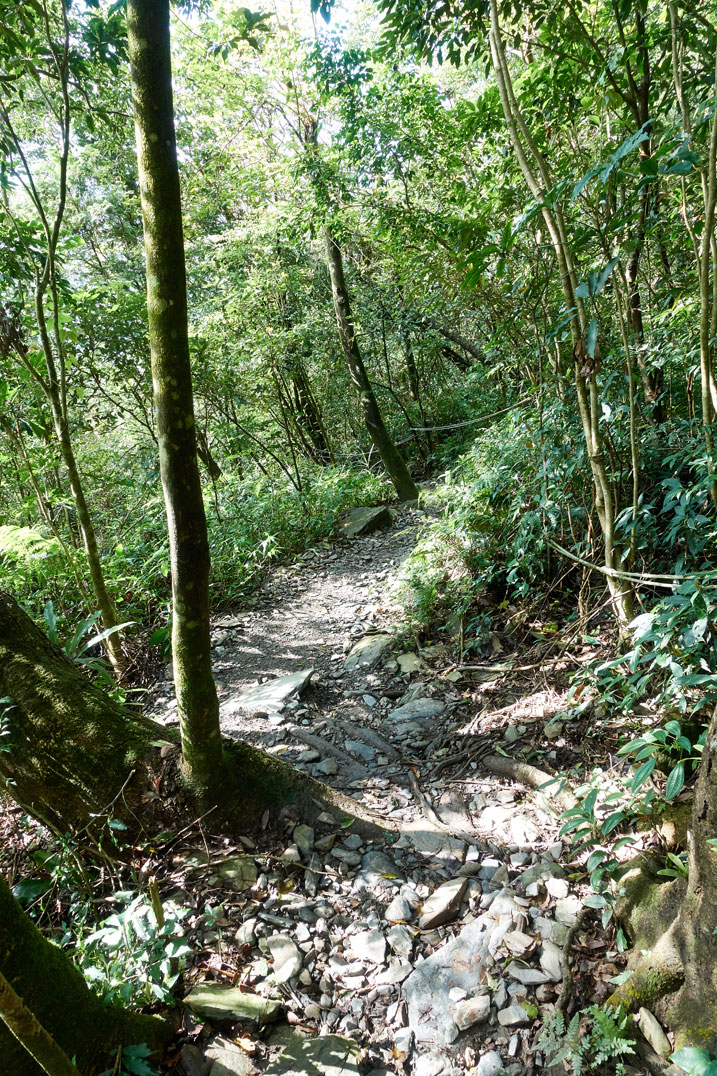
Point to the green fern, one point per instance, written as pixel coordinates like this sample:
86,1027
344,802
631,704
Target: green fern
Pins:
593,1043
26,544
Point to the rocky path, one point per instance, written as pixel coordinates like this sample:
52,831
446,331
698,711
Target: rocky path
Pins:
440,953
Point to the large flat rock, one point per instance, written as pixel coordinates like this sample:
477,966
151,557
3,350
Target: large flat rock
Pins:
367,652
457,965
328,1055
360,521
274,694
214,1001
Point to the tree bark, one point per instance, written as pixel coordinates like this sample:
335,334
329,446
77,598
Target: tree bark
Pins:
71,749
73,758
392,459
673,928
43,978
197,703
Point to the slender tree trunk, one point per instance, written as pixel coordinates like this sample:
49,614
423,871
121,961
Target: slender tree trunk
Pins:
197,703
392,459
537,176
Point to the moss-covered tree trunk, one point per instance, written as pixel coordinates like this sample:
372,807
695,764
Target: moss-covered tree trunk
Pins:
674,925
392,459
72,757
69,750
57,996
197,703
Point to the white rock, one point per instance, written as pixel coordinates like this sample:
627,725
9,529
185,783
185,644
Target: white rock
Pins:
557,887
369,946
651,1029
513,1016
443,904
274,695
287,957
567,910
471,1011
490,1064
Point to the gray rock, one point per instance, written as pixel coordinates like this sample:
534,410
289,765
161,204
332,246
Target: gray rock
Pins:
651,1029
287,957
360,521
527,976
308,755
539,872
443,904
369,946
274,695
513,1016
214,1001
367,652
417,709
400,938
403,1040
458,964
398,911
329,767
363,750
490,1064
193,1062
312,876
246,933
377,870
304,840
330,1055
229,1059
551,961
237,872
472,1011
430,1065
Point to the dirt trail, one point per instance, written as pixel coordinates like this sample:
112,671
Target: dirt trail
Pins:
427,957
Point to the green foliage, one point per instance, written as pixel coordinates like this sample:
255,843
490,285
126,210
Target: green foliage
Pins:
672,656
28,557
595,1041
77,645
129,958
134,1062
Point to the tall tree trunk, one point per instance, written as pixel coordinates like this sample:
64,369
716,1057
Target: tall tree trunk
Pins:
197,703
392,459
58,997
538,179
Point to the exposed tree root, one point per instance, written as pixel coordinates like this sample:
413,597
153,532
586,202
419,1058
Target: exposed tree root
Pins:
553,787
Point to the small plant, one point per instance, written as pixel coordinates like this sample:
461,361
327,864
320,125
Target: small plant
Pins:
7,705
78,645
669,741
594,1039
129,957
132,1061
